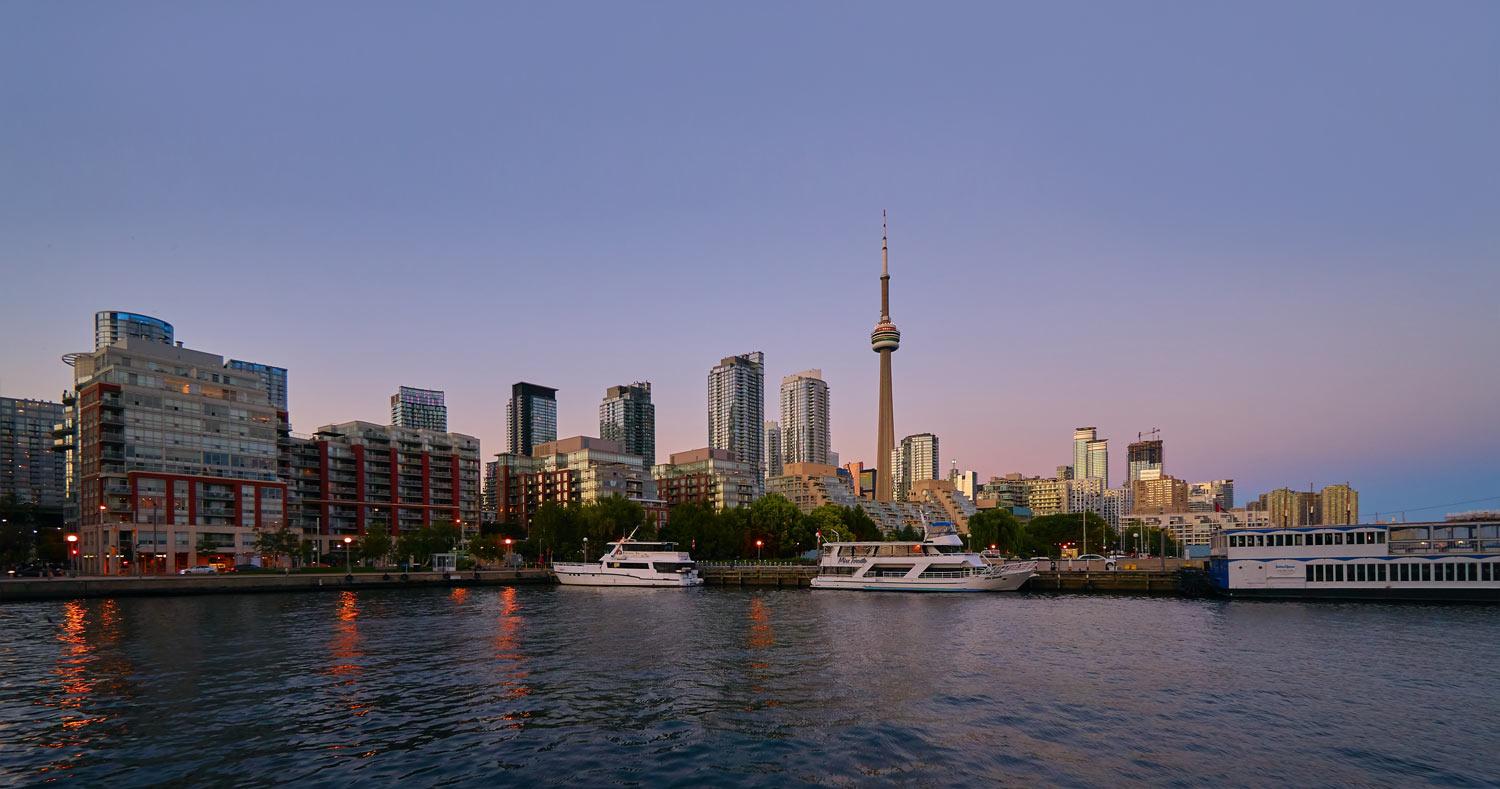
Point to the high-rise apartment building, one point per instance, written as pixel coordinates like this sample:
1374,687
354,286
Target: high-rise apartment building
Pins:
1163,493
770,462
965,482
1340,505
804,418
111,326
1141,456
1081,438
736,407
177,456
531,415
1098,460
627,417
271,377
350,476
709,476
1286,507
915,458
29,468
419,409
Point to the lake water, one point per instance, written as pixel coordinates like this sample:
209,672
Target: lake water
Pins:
729,687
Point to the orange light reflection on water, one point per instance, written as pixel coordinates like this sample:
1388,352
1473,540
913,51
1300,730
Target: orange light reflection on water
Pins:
88,668
762,637
508,627
345,650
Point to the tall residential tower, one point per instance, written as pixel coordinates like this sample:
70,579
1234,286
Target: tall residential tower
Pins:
628,417
532,417
884,340
422,409
736,407
804,418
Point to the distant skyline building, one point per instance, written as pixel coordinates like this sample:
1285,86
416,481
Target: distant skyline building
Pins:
628,417
771,458
884,340
1339,504
274,379
1098,460
916,458
111,326
531,416
804,418
1141,456
736,407
965,482
420,409
1212,496
30,470
1081,438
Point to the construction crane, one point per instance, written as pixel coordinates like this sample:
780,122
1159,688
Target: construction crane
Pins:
1154,432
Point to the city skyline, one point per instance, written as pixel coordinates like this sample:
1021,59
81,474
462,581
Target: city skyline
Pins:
1315,271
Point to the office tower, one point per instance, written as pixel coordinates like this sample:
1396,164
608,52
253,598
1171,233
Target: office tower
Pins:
736,407
30,470
111,326
350,476
884,340
1340,505
916,458
272,378
1098,460
1141,456
532,417
804,418
419,409
627,416
770,462
708,476
204,475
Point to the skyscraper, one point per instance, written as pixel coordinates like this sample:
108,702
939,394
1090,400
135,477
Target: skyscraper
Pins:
1141,456
1081,438
422,409
628,417
804,418
1098,453
531,416
884,340
915,459
736,407
29,468
771,458
1340,505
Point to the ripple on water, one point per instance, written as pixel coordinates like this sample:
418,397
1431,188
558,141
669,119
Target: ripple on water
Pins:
662,687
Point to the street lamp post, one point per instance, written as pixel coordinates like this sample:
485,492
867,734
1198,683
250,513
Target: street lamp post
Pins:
72,551
348,560
758,544
508,542
585,549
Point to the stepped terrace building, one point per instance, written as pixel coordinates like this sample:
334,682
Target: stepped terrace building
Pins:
811,485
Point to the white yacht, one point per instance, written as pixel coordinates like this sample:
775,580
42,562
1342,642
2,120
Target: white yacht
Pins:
630,562
939,563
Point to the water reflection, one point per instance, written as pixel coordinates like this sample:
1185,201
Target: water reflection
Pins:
90,672
344,648
761,638
512,661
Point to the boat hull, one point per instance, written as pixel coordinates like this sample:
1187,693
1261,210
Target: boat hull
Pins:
1001,583
590,575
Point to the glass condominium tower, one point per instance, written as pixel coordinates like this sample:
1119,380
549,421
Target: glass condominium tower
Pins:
423,409
736,408
531,417
628,417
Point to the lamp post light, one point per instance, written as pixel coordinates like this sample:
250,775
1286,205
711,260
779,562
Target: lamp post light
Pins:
508,542
585,549
348,561
758,544
72,551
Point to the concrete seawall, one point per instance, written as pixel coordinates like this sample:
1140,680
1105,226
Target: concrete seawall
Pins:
21,589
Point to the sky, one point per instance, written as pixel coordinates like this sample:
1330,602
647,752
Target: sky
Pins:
1271,230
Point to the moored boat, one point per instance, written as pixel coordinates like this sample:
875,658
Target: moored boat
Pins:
939,563
631,562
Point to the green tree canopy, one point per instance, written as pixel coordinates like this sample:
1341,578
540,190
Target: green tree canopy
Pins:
997,527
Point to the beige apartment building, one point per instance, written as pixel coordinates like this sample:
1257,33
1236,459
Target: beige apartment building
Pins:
708,475
576,470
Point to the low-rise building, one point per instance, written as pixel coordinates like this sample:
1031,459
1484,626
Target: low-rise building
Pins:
1193,528
1163,493
576,470
707,475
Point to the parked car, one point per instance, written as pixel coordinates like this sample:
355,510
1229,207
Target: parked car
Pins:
246,568
1109,561
202,569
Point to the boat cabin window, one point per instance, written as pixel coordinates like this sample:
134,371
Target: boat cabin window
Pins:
631,565
1380,538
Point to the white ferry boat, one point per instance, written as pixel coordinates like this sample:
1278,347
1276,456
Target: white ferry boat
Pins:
1444,560
630,562
940,563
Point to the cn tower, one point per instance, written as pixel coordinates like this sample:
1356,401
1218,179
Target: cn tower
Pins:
885,340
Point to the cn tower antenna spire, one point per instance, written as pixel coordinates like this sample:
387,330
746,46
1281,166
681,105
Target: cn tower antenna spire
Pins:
885,270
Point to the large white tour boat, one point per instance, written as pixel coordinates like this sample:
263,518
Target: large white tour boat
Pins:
940,563
633,563
1443,560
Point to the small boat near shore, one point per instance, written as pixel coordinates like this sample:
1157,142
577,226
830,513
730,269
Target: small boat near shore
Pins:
939,563
631,562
